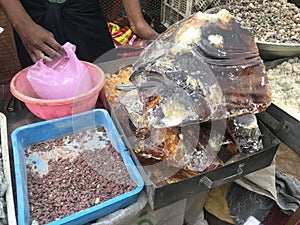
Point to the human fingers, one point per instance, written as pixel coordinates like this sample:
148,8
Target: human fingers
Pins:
144,31
41,43
45,52
52,48
36,55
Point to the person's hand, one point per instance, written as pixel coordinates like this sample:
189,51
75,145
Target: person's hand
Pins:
39,42
144,30
137,21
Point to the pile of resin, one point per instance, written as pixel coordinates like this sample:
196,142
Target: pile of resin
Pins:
205,67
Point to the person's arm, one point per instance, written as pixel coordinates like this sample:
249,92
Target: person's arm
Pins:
136,20
39,42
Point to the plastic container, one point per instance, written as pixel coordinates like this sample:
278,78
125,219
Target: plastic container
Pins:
27,135
175,10
52,109
9,197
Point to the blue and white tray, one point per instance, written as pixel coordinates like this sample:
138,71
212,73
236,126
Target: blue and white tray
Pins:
25,136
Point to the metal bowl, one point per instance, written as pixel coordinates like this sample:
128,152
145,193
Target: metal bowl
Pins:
272,50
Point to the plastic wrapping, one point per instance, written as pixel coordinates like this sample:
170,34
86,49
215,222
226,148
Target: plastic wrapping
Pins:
246,133
64,78
193,147
205,67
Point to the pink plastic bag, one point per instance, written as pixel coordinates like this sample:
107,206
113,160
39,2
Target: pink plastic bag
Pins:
67,78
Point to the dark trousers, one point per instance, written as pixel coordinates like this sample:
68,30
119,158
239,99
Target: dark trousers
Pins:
80,22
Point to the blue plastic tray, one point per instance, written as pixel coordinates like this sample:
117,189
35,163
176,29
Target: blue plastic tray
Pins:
27,135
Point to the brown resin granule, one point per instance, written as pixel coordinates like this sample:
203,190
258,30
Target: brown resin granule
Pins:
74,184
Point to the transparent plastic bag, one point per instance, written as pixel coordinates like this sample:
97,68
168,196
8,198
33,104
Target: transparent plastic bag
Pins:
194,147
204,67
67,78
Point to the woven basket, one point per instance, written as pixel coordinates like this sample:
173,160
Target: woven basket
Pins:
9,61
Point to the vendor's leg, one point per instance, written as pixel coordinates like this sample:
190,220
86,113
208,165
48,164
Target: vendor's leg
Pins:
86,27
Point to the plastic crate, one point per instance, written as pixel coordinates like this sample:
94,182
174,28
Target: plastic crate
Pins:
9,197
27,135
175,10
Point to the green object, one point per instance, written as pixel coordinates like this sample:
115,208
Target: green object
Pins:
57,1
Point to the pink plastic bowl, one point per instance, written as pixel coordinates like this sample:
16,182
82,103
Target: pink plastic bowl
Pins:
52,109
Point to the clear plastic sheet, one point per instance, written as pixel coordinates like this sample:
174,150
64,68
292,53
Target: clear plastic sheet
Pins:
205,67
193,147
